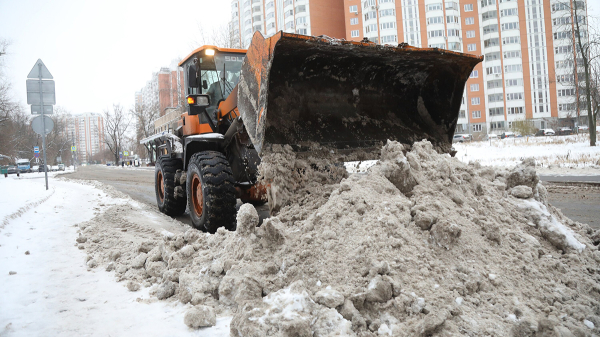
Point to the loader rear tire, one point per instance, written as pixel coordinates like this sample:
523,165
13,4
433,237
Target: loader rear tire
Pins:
211,192
164,186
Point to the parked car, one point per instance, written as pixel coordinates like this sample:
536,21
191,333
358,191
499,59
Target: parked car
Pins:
41,168
545,132
461,138
564,131
12,169
583,128
61,167
491,136
507,135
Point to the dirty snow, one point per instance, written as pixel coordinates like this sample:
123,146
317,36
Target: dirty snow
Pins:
418,244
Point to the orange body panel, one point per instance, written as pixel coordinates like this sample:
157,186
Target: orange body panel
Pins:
191,125
258,192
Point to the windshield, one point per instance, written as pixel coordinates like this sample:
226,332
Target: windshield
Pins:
221,73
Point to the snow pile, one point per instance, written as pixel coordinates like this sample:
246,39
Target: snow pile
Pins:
422,244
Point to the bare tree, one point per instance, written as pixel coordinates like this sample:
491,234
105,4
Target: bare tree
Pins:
116,123
584,48
587,47
144,118
8,106
221,36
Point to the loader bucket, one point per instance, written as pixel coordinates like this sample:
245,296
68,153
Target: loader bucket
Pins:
348,96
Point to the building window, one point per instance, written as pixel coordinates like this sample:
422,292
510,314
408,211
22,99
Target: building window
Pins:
515,110
435,33
510,26
485,3
469,21
495,98
490,29
474,74
301,31
437,45
435,19
475,101
370,28
472,47
489,15
388,25
434,7
492,56
512,68
496,125
514,82
562,35
355,33
510,40
508,12
387,12
514,96
453,32
476,114
474,87
494,84
300,9
493,70
452,19
470,33
469,8
491,42
389,39
476,127
496,111
512,54
370,15
300,20
354,9
354,21
566,92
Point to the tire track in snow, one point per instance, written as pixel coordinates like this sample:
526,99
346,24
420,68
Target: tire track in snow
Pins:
24,209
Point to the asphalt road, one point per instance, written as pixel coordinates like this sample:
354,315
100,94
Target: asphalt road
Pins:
138,183
580,203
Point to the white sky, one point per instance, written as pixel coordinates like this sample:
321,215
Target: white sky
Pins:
101,52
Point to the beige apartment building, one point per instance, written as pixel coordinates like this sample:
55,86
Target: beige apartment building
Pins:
529,67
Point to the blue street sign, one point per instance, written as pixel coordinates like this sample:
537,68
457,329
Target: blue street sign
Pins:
36,149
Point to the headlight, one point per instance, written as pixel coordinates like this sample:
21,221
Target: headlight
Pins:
198,100
203,101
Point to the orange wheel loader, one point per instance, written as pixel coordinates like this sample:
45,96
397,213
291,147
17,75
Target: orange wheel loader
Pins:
297,90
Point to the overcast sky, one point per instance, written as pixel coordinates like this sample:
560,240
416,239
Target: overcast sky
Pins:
101,52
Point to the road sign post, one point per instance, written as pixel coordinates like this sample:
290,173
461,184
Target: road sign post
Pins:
46,90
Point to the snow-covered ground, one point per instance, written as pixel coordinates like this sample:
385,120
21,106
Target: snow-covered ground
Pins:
46,288
556,155
559,154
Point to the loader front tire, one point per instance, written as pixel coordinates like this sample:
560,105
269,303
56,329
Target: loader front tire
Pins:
211,192
164,186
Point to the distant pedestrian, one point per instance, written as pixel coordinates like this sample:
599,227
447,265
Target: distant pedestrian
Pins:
123,164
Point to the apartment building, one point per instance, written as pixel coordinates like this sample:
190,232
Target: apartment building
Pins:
306,17
529,67
86,131
164,90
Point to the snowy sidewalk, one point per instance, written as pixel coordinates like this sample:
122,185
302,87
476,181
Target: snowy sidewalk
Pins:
52,292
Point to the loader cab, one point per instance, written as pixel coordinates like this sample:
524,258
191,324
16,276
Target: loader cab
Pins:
210,75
